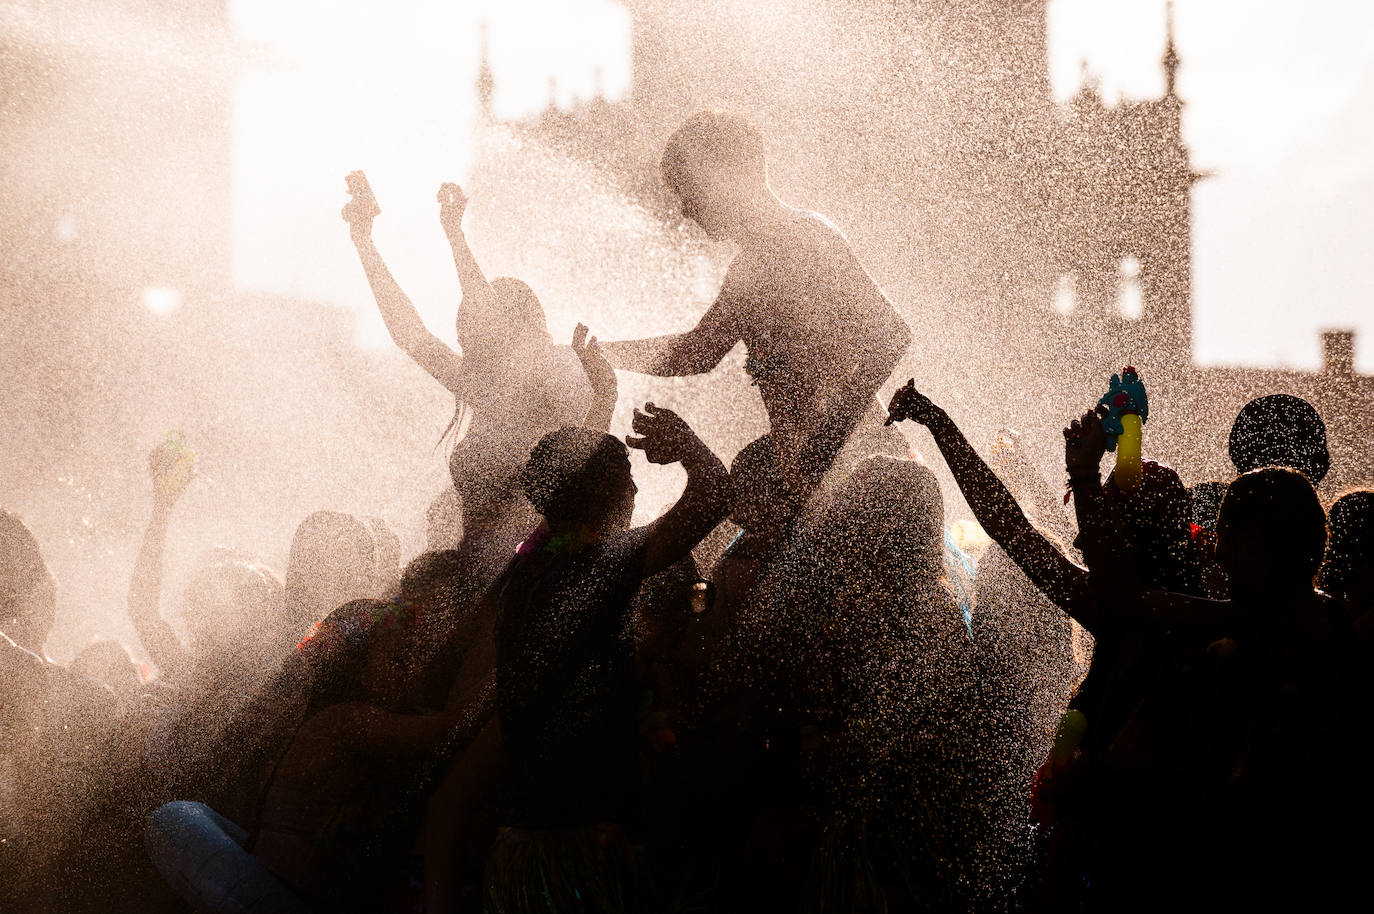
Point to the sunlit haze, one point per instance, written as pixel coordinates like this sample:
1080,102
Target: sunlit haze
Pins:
545,456
1277,95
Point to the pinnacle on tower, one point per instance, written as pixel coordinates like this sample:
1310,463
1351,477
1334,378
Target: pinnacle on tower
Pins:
486,82
1170,60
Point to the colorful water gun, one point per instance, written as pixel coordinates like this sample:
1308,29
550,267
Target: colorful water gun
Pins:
172,464
1128,410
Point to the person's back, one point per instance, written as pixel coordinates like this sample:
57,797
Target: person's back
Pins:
565,673
807,311
566,681
1226,769
821,335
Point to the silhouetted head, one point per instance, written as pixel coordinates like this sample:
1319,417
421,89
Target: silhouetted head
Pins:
1271,530
887,519
760,501
108,662
504,338
1349,566
1282,431
332,561
715,164
28,593
577,477
1206,498
433,576
1156,518
232,610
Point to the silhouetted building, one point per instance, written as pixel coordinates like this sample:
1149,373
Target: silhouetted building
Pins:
116,142
1022,238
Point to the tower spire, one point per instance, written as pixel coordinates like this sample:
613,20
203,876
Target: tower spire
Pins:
1171,59
486,82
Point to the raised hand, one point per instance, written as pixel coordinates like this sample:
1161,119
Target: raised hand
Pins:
172,464
600,374
909,403
362,209
452,204
664,436
1085,441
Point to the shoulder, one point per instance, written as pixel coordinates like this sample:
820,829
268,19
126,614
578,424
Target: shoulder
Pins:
559,368
810,220
563,379
806,229
564,360
625,551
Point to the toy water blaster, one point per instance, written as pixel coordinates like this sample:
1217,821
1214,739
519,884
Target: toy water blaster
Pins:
1128,410
172,463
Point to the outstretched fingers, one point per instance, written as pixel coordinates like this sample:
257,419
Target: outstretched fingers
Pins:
903,403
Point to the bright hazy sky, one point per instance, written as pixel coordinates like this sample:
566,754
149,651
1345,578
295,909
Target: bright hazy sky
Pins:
1280,105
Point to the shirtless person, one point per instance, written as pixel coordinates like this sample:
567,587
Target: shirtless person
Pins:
821,335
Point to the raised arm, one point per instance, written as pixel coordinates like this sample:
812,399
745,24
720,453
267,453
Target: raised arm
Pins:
172,472
402,320
600,375
1037,498
478,294
666,438
997,511
695,352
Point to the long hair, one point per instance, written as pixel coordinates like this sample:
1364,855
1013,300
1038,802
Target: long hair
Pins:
328,548
509,339
885,522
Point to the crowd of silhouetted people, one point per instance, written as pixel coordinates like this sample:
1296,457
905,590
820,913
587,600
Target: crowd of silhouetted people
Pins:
792,691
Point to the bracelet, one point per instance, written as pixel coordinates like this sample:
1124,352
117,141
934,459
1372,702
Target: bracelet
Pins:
1094,478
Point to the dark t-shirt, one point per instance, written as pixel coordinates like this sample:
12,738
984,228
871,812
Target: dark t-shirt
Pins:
809,314
566,687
